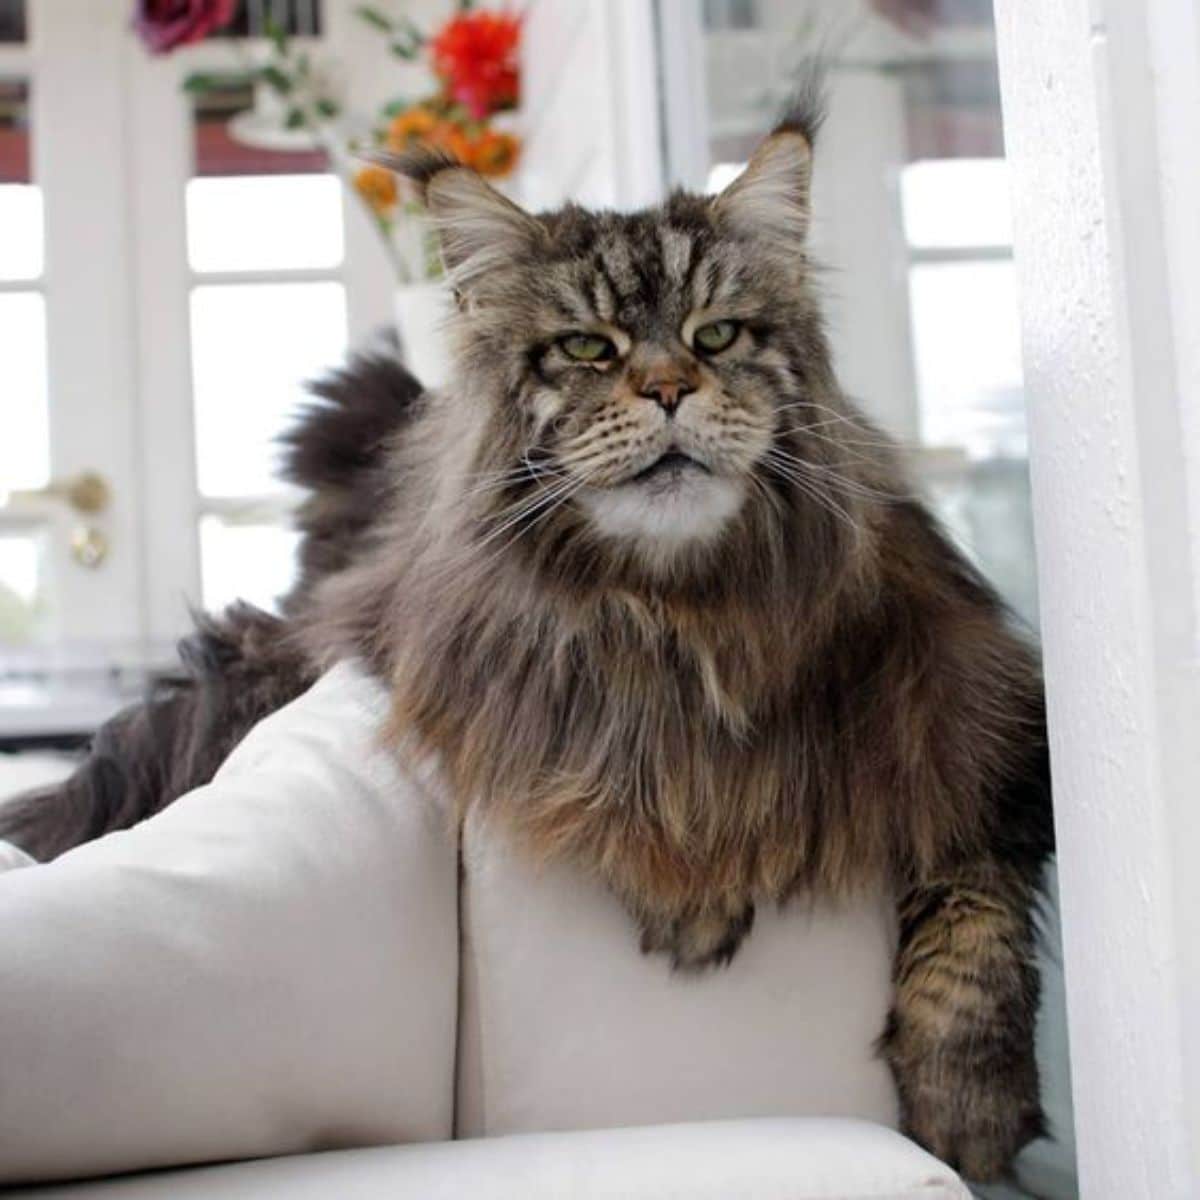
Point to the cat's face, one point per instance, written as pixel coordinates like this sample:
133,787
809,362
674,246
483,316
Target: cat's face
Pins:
643,373
652,379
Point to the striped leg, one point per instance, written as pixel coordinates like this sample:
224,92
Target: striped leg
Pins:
960,1035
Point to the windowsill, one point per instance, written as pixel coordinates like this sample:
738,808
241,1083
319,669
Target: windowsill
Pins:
63,695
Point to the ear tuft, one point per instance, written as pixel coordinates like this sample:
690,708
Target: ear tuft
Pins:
479,229
804,112
418,165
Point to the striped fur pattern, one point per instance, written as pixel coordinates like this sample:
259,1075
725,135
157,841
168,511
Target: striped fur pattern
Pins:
660,599
669,612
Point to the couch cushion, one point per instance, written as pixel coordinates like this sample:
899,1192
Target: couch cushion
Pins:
268,966
566,1025
728,1160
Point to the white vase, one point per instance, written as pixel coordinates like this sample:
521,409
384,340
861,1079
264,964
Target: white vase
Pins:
422,310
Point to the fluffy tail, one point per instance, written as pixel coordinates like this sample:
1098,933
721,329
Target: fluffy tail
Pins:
245,664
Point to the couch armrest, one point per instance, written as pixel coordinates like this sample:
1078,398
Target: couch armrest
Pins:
766,1159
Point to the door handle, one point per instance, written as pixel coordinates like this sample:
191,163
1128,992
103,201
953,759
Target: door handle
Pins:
87,492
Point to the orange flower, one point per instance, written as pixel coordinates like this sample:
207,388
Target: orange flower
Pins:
448,136
377,186
494,153
411,125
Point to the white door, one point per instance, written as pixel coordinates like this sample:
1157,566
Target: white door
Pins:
69,554
165,289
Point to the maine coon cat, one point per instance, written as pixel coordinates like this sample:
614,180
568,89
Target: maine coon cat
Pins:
659,598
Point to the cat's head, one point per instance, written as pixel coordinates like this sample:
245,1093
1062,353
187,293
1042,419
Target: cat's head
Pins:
652,381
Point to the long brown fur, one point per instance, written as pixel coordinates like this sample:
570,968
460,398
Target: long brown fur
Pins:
823,698
810,693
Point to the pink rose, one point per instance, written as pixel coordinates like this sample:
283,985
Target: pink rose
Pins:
165,24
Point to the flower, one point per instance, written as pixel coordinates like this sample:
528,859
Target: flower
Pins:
494,153
165,24
411,125
475,56
377,186
449,136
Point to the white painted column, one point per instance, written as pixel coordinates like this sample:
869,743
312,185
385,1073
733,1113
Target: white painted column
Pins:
1102,123
590,104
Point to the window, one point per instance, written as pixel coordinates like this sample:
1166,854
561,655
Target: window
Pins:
12,21
265,246
173,266
24,410
911,211
962,305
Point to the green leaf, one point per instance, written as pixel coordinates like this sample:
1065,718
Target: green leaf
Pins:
206,81
413,30
374,18
276,79
294,119
327,108
407,44
277,36
395,107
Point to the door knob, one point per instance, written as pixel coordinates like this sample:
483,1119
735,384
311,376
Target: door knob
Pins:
87,492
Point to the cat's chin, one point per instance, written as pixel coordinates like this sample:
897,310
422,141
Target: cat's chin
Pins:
665,515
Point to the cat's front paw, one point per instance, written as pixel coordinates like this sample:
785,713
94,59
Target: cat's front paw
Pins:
708,937
972,1106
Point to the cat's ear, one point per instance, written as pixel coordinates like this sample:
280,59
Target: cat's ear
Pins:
477,227
772,197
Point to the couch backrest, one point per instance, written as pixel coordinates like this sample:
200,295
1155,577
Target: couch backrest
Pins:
565,1024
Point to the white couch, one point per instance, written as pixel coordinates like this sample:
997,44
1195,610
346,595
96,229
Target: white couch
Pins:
297,959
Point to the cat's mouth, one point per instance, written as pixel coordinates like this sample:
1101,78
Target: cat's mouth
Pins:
672,464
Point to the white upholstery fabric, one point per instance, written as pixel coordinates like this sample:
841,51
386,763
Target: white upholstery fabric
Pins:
730,1160
12,857
272,966
567,1025
268,966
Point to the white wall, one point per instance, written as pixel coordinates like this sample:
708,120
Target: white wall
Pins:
1102,106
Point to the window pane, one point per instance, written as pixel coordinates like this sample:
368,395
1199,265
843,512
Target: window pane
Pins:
264,222
952,104
239,130
956,202
20,231
23,606
253,346
967,348
301,17
12,21
21,237
245,562
15,154
24,418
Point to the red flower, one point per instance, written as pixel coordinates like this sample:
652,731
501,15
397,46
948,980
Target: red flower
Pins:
165,24
475,56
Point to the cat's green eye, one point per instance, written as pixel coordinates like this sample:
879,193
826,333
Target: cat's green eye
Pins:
587,347
716,336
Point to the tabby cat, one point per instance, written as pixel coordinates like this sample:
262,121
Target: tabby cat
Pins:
660,599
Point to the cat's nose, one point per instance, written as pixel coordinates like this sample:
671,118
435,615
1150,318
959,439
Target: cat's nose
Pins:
667,393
